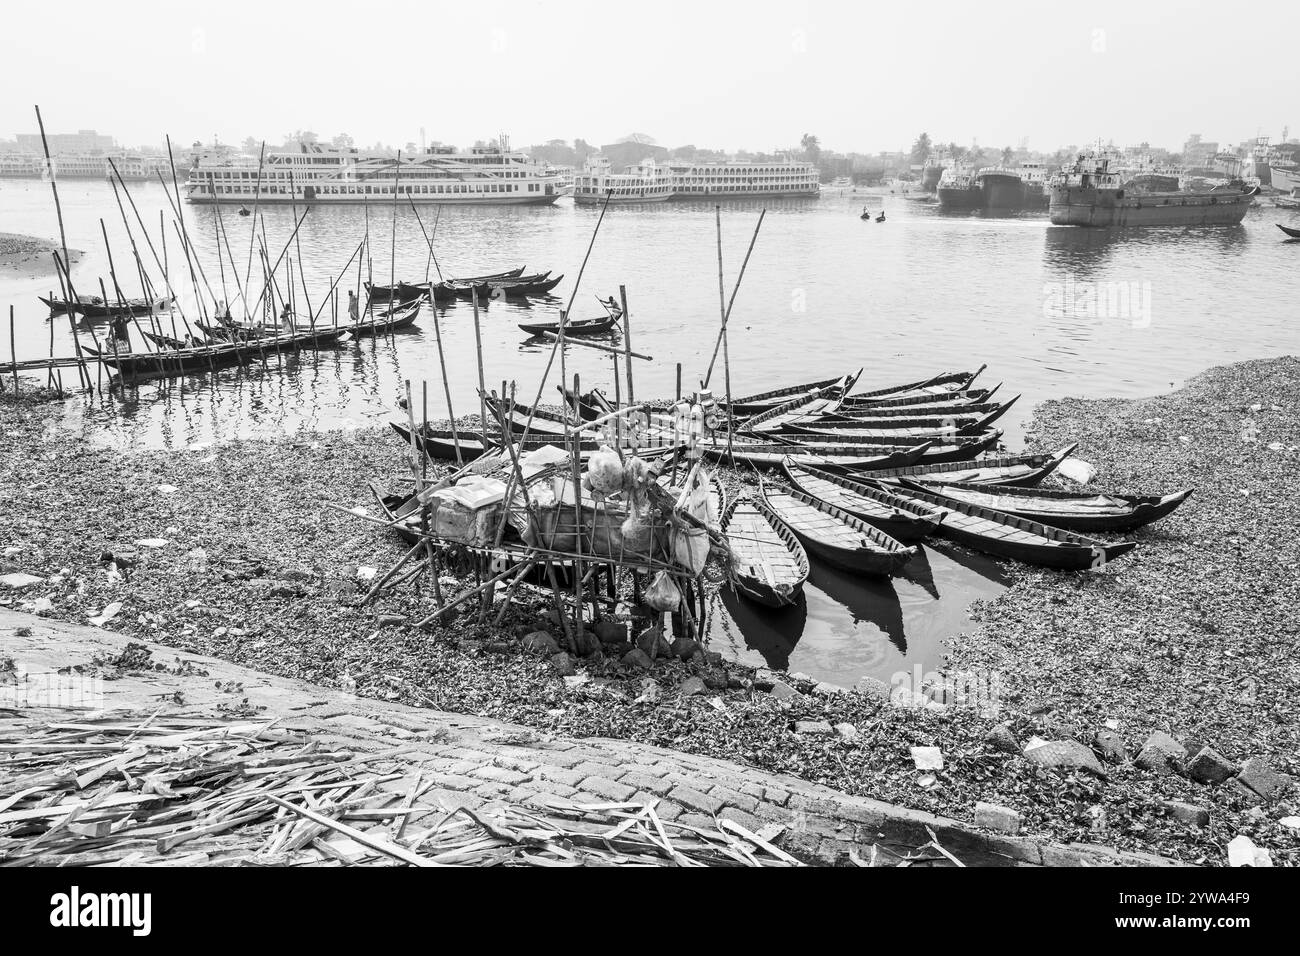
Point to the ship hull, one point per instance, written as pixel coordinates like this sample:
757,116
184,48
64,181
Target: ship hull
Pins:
588,200
756,194
350,200
961,197
1283,178
1086,207
930,178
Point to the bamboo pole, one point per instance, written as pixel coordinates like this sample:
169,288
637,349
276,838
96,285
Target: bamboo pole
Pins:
252,238
627,344
726,315
478,344
13,349
63,242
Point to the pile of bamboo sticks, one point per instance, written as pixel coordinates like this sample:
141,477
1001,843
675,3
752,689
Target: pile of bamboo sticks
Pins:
121,789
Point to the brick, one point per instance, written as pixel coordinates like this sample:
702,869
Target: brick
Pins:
550,786
1188,813
451,781
607,789
667,810
515,763
994,817
500,775
734,798
694,800
570,778
1260,777
747,820
1210,766
776,795
644,781
492,791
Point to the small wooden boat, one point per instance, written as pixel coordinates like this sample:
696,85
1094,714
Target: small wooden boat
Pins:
93,307
768,564
949,448
1007,536
245,211
589,406
1293,233
202,357
835,536
1070,510
441,444
844,457
968,421
520,286
955,399
899,517
402,293
1023,471
167,341
508,274
574,327
943,384
764,401
386,322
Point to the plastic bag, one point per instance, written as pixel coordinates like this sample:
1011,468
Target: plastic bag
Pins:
637,534
605,472
662,594
690,547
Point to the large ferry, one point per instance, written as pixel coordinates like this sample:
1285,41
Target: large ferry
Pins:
741,180
485,175
1284,177
641,183
1091,193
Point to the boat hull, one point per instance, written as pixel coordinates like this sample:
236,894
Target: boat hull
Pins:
1073,206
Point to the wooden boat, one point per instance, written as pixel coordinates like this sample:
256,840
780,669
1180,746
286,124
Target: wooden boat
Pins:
1007,536
1022,471
835,536
93,307
1293,233
574,327
402,292
900,518
442,444
939,450
845,457
167,341
202,357
768,564
958,398
1070,510
521,286
967,421
544,422
386,322
508,274
938,427
764,401
588,406
805,408
943,384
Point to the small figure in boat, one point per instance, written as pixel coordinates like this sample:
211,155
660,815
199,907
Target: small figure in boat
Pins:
243,211
286,317
353,314
612,306
881,217
865,215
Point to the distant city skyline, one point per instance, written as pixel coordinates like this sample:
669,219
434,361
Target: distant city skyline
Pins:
755,78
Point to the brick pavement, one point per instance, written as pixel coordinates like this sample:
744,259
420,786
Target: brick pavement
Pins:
473,760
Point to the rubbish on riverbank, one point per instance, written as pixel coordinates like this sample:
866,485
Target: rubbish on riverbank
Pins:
176,790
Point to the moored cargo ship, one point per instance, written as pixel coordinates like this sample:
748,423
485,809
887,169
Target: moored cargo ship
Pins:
994,188
1090,193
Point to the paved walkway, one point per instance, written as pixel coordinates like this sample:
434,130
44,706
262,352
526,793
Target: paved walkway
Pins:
476,760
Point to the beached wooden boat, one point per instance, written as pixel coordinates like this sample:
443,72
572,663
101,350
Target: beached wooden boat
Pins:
508,274
764,401
442,444
805,408
900,518
835,536
956,399
201,357
939,428
1023,471
845,457
1293,233
1008,536
946,383
968,421
768,564
940,450
574,327
1073,511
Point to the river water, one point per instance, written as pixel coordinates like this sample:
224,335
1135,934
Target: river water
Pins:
1053,311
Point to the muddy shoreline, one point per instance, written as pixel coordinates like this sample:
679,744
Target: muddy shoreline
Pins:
30,256
255,568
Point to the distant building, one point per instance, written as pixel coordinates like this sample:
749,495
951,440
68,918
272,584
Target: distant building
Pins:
84,141
632,150
1199,152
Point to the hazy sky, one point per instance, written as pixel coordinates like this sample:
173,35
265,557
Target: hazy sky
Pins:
752,75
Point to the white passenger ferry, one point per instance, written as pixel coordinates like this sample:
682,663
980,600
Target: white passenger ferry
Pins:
642,182
486,175
740,180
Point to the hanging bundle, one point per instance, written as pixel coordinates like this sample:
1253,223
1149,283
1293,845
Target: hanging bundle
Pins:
662,594
604,472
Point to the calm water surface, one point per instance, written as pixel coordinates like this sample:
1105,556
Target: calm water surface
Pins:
825,293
